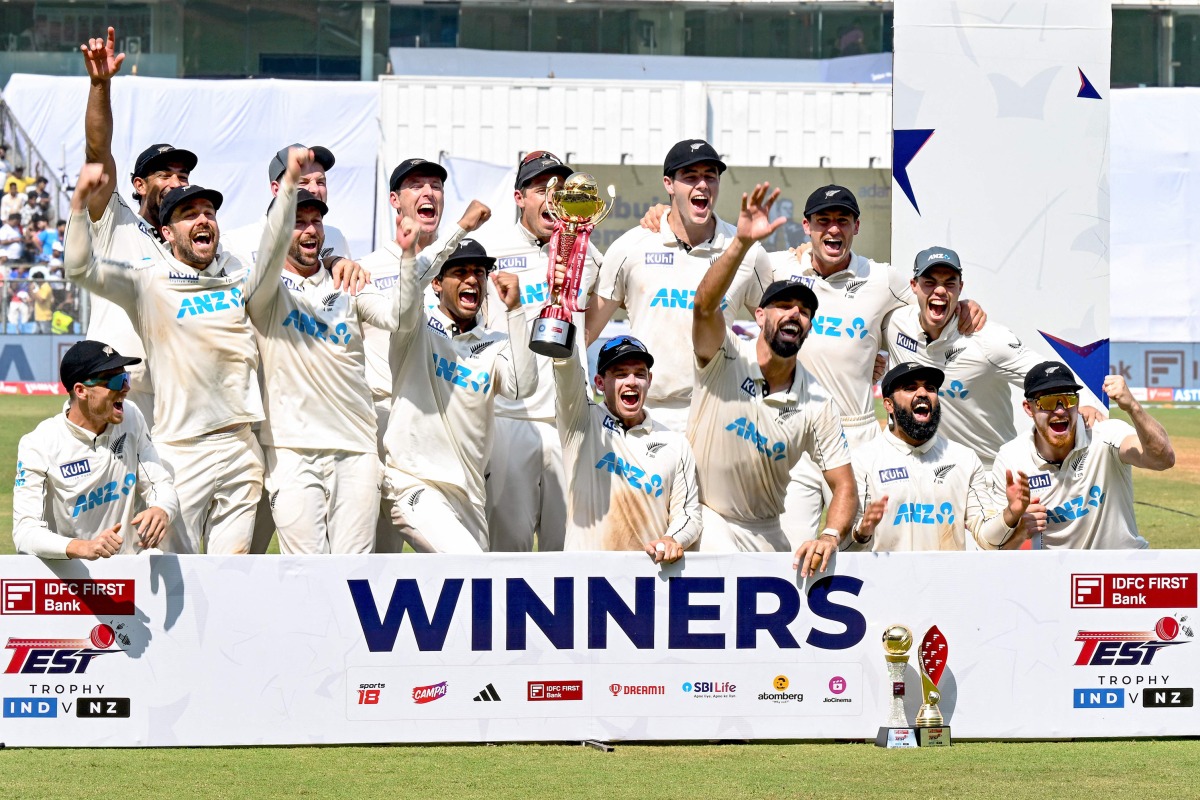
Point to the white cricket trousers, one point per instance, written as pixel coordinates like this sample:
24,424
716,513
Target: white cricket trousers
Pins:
723,535
323,501
526,490
219,480
808,494
435,519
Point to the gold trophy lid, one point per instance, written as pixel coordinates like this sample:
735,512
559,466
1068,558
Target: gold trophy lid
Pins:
897,641
578,200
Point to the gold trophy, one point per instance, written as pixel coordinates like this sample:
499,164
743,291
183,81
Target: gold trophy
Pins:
931,728
576,208
897,641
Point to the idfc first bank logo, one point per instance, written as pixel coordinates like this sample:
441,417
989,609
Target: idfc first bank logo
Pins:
59,656
1129,648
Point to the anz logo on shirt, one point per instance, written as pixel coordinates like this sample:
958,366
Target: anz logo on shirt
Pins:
1077,507
956,390
635,476
456,374
534,293
925,514
679,298
832,326
208,302
746,430
311,326
98,498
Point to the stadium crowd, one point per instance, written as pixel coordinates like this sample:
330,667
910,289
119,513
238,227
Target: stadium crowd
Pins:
234,385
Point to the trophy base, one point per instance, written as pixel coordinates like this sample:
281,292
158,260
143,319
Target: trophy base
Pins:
552,337
934,737
896,737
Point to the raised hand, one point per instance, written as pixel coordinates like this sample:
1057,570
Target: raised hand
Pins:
100,58
754,223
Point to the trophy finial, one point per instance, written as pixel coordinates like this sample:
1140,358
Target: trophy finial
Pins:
897,640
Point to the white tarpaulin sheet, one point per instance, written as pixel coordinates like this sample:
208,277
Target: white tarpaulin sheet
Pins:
235,127
252,650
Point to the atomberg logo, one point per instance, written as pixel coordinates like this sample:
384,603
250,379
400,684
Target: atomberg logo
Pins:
781,695
427,694
1128,648
60,656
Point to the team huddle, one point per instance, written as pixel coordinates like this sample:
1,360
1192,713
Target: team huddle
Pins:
238,385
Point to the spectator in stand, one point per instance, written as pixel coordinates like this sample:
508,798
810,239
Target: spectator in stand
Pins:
43,305
10,239
17,176
56,247
38,190
18,310
46,239
12,202
5,167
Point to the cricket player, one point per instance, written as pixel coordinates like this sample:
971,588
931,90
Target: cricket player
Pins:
631,483
980,366
526,489
448,368
920,491
654,275
89,477
318,437
119,233
1082,479
190,309
244,240
756,410
416,191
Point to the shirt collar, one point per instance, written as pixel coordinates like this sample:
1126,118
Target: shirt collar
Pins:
83,434
719,241
1083,440
904,447
451,329
851,269
788,396
642,428
528,237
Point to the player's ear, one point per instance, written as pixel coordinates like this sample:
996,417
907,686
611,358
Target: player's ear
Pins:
436,285
759,316
667,184
806,230
599,381
1025,404
394,200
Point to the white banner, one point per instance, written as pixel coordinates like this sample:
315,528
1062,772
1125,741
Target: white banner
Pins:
252,650
1007,162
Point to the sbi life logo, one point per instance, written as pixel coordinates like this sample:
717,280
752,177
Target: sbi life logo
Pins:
833,326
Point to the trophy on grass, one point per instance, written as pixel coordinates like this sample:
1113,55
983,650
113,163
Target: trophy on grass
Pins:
931,728
576,208
897,641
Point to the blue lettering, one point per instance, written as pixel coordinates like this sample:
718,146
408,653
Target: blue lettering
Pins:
750,621
481,614
406,599
523,603
682,612
820,604
637,623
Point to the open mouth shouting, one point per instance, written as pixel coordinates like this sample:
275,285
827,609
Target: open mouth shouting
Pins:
1059,425
701,205
834,247
939,309
922,409
469,299
427,213
630,399
790,331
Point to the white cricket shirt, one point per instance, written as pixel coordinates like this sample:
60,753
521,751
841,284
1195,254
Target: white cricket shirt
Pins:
1089,497
73,484
745,444
655,277
625,488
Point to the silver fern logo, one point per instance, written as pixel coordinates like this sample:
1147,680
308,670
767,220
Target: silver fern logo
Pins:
118,446
853,286
415,497
940,473
476,349
653,448
954,353
328,301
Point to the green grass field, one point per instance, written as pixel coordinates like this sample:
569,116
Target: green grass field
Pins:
1169,516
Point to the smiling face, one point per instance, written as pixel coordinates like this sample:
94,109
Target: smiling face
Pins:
625,386
937,292
192,232
785,325
532,202
1055,428
312,178
308,237
914,410
832,231
94,407
151,188
460,289
420,198
693,190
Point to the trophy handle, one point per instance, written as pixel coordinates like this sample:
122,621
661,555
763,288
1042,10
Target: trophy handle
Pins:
612,196
550,209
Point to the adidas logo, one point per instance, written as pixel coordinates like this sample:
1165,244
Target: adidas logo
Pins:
118,447
488,695
940,473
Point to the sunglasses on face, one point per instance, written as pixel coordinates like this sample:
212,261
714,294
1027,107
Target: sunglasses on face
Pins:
1050,402
117,383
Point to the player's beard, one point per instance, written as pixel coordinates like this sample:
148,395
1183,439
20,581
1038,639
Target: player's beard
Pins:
917,431
781,348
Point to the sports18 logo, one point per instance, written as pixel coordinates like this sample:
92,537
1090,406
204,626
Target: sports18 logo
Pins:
1126,648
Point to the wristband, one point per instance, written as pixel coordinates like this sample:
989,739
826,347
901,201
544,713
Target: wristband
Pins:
854,536
830,532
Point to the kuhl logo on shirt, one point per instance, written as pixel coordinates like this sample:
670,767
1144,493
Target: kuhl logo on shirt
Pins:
906,342
182,277
660,259
893,474
612,425
510,262
750,387
74,469
1040,480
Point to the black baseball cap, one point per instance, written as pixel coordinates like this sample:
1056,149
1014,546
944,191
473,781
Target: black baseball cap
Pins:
469,251
89,358
902,372
1050,376
181,194
279,161
789,290
688,152
540,162
935,256
156,155
831,196
306,198
418,165
620,348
